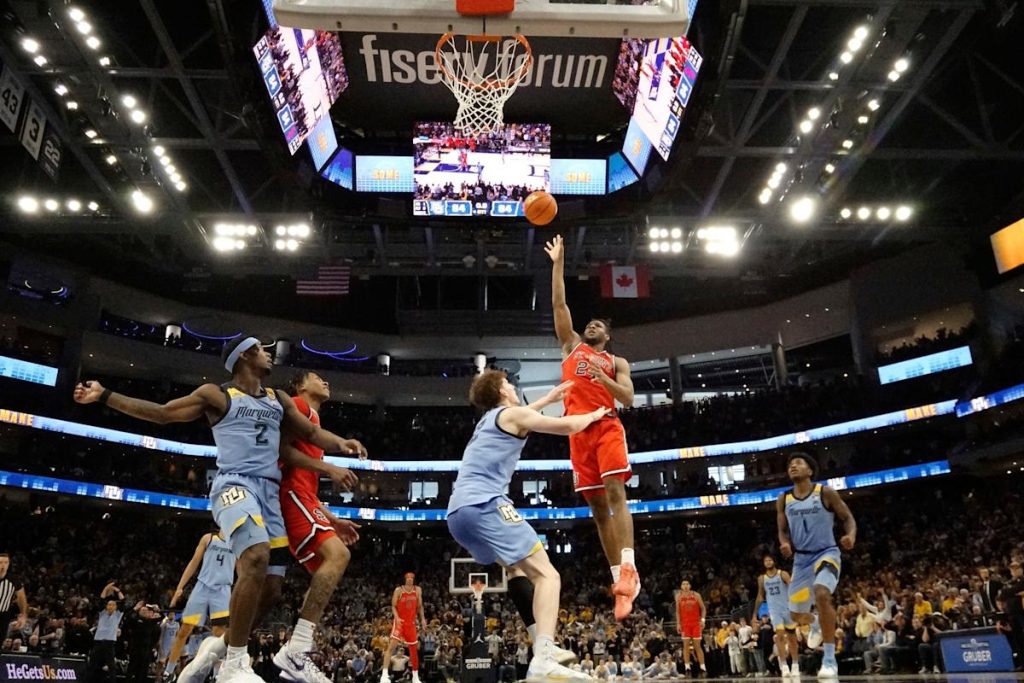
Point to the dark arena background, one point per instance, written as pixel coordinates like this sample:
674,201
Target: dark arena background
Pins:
800,223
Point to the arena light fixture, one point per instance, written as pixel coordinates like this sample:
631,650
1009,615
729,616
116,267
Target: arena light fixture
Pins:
60,89
874,104
814,113
76,14
863,119
846,57
883,213
141,201
903,213
180,186
72,105
84,27
90,133
51,205
138,116
282,230
864,213
901,65
28,204
111,160
677,233
653,246
93,43
665,246
781,167
845,212
774,181
894,75
677,247
104,61
73,205
223,244
806,126
861,32
833,76
830,168
40,60
847,143
291,245
158,150
93,206
129,101
802,209
30,45
765,196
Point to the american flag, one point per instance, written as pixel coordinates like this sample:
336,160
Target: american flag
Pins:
330,281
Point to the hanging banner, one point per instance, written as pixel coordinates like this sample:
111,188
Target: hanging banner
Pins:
32,131
12,94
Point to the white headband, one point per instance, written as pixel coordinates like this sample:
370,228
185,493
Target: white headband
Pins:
242,347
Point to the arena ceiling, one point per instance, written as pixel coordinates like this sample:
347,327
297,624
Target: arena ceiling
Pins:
944,137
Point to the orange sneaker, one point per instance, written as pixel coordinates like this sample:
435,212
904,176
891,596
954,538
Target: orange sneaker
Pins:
625,590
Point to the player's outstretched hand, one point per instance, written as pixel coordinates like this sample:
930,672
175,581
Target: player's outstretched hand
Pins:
353,447
555,249
787,550
343,478
346,530
88,392
559,392
846,542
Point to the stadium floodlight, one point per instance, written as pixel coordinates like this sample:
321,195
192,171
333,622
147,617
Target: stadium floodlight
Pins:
863,119
138,116
814,113
781,167
677,247
830,168
665,246
861,32
765,196
84,27
74,205
72,105
292,245
854,44
40,60
883,213
76,14
158,150
104,61
894,75
110,159
93,43
774,181
847,143
901,64
653,246
93,206
903,213
874,104
223,244
51,205
677,233
833,76
653,233
141,201
28,204
251,230
806,126
863,213
281,230
60,89
180,186
30,45
845,213
239,245
90,133
802,209
846,57
129,101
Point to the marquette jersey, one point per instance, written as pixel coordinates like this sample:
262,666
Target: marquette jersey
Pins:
487,464
587,395
776,594
249,434
407,606
810,523
218,564
303,481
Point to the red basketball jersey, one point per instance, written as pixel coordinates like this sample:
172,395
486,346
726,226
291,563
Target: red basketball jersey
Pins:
407,606
586,394
299,480
687,608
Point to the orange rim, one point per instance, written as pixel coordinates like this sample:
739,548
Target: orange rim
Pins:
488,83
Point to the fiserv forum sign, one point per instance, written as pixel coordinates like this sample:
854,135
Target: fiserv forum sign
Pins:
569,86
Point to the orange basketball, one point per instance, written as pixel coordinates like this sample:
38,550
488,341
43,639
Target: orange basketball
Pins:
540,208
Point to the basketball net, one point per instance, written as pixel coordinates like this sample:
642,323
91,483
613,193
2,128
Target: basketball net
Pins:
478,596
482,72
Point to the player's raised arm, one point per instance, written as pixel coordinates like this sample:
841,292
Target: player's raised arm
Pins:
785,542
207,399
567,337
553,396
834,502
300,426
522,421
190,568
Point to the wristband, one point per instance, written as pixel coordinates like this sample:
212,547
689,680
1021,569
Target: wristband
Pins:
105,396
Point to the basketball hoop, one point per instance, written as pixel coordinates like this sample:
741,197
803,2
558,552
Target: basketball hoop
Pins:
478,588
482,71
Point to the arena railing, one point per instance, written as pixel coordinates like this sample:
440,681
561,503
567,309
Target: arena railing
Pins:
116,493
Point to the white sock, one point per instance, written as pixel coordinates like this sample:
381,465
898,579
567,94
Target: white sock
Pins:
532,630
627,557
302,636
616,571
703,667
543,646
236,655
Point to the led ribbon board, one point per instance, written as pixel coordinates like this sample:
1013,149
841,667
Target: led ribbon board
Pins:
12,368
925,365
109,492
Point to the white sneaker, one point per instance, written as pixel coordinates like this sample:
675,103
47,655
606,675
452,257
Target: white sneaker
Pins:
922,670
784,668
936,670
384,677
415,677
828,671
210,651
240,672
794,671
563,656
814,637
550,671
298,667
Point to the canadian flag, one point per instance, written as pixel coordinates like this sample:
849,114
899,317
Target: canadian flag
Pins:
625,282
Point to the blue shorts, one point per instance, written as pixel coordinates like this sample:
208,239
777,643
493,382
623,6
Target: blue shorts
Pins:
248,512
206,602
494,532
781,619
809,570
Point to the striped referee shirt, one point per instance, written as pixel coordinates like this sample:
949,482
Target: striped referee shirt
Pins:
9,587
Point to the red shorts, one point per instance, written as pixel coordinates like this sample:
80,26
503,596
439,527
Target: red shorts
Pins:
599,451
405,632
691,629
307,527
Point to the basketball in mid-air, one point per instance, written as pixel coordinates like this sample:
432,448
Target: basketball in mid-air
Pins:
540,208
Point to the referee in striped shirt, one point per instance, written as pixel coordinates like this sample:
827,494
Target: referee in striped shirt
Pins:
12,594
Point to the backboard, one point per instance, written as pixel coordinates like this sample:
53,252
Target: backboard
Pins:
465,570
554,18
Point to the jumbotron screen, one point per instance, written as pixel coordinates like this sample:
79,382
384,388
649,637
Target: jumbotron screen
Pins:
488,174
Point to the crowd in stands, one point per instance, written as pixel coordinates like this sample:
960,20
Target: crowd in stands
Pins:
943,340
477,191
511,136
923,557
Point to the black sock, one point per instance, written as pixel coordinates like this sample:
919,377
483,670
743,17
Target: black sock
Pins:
520,589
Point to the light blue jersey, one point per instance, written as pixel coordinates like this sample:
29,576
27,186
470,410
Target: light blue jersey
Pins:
776,594
487,465
480,517
249,434
810,522
168,632
218,564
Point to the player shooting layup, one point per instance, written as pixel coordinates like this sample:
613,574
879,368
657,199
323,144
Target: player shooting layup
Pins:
246,419
599,456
